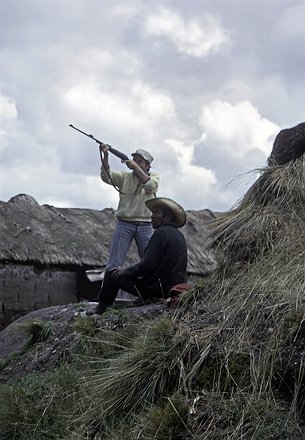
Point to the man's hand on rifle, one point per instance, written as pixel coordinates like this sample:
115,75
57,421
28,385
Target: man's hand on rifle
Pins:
104,148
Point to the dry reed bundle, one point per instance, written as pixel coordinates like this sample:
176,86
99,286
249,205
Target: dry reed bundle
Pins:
270,211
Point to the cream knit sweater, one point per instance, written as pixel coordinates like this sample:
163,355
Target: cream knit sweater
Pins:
132,202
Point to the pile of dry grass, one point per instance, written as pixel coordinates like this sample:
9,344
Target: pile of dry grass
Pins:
251,312
271,212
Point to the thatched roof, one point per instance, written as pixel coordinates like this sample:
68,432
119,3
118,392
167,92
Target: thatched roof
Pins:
43,234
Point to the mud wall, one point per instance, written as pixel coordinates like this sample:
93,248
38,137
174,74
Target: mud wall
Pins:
24,288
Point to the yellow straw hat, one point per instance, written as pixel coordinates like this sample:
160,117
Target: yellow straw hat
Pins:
177,210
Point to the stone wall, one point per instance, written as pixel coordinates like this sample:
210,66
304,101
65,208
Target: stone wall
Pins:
24,288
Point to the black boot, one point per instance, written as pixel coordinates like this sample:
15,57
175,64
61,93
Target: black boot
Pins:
100,308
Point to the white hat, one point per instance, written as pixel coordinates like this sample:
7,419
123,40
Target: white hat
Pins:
177,210
145,154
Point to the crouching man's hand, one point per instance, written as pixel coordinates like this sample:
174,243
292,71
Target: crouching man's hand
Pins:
116,272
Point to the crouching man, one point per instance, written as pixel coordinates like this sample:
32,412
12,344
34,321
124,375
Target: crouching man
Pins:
164,262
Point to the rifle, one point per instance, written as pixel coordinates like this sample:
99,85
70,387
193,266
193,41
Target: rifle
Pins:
117,153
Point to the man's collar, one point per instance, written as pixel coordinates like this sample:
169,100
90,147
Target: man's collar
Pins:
168,224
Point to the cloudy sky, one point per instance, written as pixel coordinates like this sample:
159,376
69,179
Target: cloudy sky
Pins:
204,85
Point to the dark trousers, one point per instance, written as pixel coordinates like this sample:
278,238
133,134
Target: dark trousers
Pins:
138,287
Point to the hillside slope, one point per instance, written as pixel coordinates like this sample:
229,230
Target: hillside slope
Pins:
226,362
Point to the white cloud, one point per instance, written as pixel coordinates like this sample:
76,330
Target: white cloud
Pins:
137,110
237,128
291,21
96,63
235,140
125,11
8,108
192,183
190,36
89,102
51,186
154,106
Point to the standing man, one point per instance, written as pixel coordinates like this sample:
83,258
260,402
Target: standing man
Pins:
164,262
133,216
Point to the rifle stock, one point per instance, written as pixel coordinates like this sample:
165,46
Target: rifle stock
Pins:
115,152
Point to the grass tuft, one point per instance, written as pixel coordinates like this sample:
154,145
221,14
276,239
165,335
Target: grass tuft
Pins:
38,330
142,373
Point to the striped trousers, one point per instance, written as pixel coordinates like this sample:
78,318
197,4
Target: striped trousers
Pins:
124,234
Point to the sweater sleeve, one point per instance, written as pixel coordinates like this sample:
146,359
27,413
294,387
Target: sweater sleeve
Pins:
151,259
117,177
152,184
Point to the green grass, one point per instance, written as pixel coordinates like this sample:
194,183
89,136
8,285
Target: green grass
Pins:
142,373
38,330
37,407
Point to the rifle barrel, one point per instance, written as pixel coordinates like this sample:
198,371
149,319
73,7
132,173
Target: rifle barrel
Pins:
116,153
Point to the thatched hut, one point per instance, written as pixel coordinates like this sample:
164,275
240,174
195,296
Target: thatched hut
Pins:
45,251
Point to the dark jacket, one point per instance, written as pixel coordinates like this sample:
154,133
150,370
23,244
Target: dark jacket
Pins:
165,259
